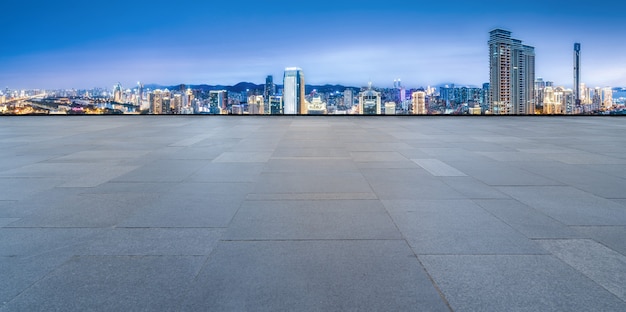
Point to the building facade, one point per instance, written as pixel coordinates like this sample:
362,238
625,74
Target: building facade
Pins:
511,75
293,92
369,102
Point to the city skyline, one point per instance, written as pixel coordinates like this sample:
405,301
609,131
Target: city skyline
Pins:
74,45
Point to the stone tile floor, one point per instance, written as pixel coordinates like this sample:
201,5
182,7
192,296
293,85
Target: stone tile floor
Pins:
276,213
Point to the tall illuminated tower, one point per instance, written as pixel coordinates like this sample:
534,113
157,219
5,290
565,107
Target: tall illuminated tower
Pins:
139,93
511,75
577,74
117,93
270,90
293,93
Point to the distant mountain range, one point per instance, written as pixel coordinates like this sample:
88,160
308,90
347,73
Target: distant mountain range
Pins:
244,86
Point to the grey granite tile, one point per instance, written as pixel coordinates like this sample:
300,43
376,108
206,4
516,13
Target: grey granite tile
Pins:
243,157
49,170
408,184
472,188
601,264
151,242
586,159
579,176
310,165
89,283
310,196
86,210
98,177
455,227
227,173
20,273
191,205
377,156
316,219
310,152
5,221
377,147
516,283
499,173
515,156
313,276
163,170
14,189
99,155
438,168
569,205
311,183
526,220
610,236
32,242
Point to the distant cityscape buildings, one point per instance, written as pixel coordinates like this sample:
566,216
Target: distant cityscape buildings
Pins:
512,89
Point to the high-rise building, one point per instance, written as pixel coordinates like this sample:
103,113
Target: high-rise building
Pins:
419,103
276,105
511,75
139,98
270,89
218,101
348,98
607,98
117,93
577,74
369,102
293,93
155,99
255,104
390,108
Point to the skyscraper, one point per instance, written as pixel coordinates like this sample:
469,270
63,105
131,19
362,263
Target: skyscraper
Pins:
577,101
419,103
348,98
293,93
511,75
369,102
139,93
117,93
218,100
270,89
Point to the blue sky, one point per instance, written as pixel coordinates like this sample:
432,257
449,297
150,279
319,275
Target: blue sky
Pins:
82,44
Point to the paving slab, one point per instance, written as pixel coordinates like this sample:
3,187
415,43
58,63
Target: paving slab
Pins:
581,177
164,170
531,222
191,205
106,283
438,168
472,188
227,173
516,283
31,242
569,205
86,210
456,227
601,264
312,219
150,242
610,236
312,183
21,272
313,276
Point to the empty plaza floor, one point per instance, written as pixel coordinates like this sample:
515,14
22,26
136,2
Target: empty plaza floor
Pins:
222,213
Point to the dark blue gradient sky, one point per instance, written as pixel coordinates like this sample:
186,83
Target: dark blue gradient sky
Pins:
81,44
